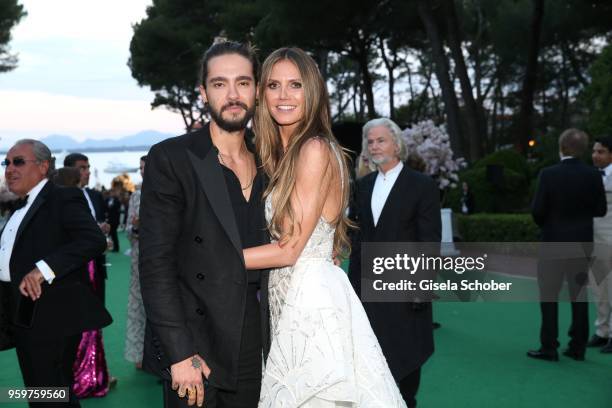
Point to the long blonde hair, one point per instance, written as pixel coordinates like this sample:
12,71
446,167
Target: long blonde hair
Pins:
280,165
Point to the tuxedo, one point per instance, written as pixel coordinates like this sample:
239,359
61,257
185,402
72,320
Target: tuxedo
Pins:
602,265
194,283
568,196
97,201
59,230
411,213
113,215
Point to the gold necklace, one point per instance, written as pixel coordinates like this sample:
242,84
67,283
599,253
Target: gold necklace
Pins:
220,156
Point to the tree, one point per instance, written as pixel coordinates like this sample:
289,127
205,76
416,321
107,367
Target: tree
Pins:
165,52
451,105
472,118
598,95
525,117
10,15
346,27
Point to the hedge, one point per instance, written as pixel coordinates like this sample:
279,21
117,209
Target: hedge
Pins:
513,196
497,228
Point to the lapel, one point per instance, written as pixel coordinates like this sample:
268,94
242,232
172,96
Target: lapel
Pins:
203,157
393,200
38,202
369,186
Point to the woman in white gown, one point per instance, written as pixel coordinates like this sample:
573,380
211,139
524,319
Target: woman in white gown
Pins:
323,352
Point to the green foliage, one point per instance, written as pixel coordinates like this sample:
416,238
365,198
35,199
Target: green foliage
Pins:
507,158
497,228
165,52
347,38
512,196
598,95
10,14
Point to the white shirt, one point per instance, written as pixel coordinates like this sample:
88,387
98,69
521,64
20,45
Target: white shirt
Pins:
89,203
607,170
7,240
382,187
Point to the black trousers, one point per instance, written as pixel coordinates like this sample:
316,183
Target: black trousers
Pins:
409,386
246,394
551,276
48,363
100,278
114,237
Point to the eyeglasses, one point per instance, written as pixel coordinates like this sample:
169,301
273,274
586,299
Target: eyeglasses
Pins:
17,162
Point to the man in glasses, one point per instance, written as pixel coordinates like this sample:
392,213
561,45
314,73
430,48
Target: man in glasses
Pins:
44,249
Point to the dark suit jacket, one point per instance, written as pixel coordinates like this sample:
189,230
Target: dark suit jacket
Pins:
58,229
98,203
411,214
569,195
113,211
192,272
100,209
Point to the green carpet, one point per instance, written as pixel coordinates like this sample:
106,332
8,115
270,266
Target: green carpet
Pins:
479,360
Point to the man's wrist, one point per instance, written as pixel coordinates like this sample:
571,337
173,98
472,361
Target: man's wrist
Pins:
46,271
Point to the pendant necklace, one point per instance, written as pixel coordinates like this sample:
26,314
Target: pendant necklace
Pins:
250,175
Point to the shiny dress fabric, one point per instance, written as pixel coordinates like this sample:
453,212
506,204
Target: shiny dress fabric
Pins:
91,377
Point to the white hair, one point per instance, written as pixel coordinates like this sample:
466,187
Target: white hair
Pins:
396,134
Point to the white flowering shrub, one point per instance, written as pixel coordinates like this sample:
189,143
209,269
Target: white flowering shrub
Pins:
431,143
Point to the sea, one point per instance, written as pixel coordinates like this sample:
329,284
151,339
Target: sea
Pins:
107,165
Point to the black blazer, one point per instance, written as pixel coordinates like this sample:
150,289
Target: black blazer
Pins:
192,272
113,211
98,203
568,196
411,214
58,229
100,209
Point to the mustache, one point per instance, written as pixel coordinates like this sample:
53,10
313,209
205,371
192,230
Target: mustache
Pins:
237,103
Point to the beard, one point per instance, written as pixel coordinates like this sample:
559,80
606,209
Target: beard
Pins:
234,124
380,160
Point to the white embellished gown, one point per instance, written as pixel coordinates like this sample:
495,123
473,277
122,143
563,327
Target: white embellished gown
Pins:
324,352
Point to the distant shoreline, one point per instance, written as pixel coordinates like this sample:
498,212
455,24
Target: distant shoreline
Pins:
97,149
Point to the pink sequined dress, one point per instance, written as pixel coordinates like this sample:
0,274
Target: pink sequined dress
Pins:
91,377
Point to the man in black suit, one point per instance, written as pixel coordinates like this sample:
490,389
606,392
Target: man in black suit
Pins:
96,205
568,196
45,248
395,204
113,213
200,206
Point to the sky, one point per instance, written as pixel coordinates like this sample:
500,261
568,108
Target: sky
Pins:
72,77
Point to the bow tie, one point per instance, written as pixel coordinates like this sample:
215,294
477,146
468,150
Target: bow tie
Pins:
603,173
20,203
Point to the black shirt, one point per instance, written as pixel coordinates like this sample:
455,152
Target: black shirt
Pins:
249,215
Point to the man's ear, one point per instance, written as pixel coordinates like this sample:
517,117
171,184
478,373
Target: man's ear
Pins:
44,166
203,93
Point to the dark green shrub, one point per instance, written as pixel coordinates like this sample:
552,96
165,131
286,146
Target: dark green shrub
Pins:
497,228
510,159
513,196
